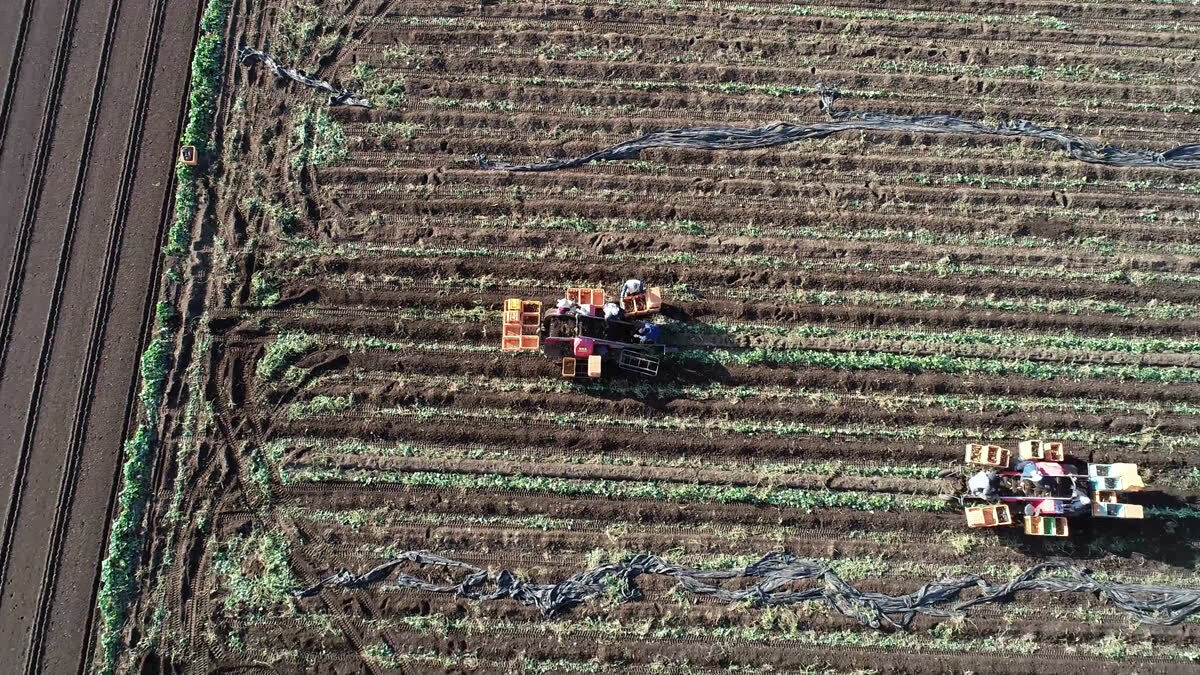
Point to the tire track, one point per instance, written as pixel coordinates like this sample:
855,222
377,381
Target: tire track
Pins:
14,63
33,193
83,403
17,269
146,202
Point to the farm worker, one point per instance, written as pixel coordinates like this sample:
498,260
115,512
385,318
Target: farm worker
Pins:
564,306
649,333
1037,472
1044,507
613,311
1081,502
632,287
980,485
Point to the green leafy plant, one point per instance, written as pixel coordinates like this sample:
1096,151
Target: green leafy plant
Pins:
117,572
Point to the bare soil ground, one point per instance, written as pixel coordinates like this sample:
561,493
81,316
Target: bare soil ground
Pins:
92,104
856,308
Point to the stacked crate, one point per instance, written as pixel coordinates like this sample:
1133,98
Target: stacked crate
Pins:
643,304
1041,451
988,455
992,515
1046,526
521,319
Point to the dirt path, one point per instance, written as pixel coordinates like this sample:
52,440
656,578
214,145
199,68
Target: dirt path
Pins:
76,305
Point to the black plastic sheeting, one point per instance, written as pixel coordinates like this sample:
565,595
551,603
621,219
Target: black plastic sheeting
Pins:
1163,605
248,55
781,133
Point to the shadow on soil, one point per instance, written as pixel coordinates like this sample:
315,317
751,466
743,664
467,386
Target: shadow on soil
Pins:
1156,538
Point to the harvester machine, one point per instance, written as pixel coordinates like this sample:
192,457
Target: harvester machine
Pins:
590,332
1044,488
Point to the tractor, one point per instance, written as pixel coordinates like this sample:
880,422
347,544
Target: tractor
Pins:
1046,486
590,336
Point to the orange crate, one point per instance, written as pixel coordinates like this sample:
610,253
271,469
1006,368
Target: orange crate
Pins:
1046,526
568,366
988,455
512,316
654,299
529,342
594,366
531,307
510,343
530,319
988,516
512,304
586,296
1050,451
511,329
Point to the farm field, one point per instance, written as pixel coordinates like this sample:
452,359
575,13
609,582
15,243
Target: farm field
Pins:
850,311
91,101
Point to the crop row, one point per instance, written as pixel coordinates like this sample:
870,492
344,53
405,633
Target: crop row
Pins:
118,571
772,96
961,547
292,344
750,427
633,52
921,300
958,365
760,47
645,390
768,471
788,628
973,553
611,489
721,332
807,223
966,336
918,234
774,90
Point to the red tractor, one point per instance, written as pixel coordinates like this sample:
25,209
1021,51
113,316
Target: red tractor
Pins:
590,336
1046,487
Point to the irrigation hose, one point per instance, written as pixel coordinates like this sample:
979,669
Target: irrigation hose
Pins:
781,133
248,55
1162,605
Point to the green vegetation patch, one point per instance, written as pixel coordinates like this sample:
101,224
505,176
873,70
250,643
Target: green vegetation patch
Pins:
317,138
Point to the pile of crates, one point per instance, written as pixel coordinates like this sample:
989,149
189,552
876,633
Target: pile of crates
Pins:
593,297
643,303
988,455
1041,451
1046,526
992,515
570,366
521,321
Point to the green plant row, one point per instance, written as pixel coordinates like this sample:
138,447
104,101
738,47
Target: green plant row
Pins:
359,447
202,106
959,365
677,492
789,627
783,429
921,300
714,391
118,570
966,336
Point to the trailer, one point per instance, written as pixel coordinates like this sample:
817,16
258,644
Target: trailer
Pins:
590,332
1045,488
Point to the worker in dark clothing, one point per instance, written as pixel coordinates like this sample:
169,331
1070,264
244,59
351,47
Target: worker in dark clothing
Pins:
648,333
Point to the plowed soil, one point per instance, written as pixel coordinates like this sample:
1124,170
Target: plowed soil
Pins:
91,103
850,311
